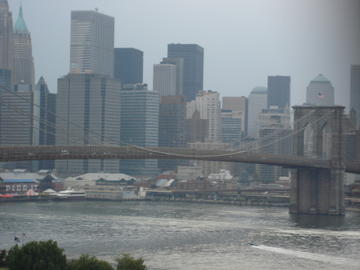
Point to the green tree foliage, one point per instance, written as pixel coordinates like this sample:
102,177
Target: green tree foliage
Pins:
85,262
3,255
42,255
129,263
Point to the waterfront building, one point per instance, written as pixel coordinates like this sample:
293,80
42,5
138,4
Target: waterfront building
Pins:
207,103
257,101
320,92
6,37
179,63
355,95
238,105
24,71
274,137
278,91
92,43
193,75
128,65
171,126
164,79
139,126
89,108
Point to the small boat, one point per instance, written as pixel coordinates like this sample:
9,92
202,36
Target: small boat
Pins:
70,194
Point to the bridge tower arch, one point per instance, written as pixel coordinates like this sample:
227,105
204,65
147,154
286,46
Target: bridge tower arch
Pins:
318,134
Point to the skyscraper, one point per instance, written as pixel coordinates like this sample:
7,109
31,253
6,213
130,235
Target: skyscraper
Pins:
23,60
89,108
128,65
139,126
171,126
320,92
257,101
6,37
5,79
355,95
179,63
164,80
92,43
278,91
238,105
193,56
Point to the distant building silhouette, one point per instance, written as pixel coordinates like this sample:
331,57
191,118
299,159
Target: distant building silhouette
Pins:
24,71
320,92
164,79
193,56
128,65
257,101
355,95
278,91
92,43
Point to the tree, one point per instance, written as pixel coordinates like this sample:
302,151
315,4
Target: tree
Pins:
42,255
129,263
85,262
3,255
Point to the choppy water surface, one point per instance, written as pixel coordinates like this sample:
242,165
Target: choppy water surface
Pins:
172,235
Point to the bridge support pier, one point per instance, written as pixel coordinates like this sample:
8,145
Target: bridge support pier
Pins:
317,192
319,135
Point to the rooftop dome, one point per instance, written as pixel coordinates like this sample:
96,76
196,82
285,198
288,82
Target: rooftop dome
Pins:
259,90
320,78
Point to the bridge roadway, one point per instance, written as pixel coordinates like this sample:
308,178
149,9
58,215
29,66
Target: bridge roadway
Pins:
22,153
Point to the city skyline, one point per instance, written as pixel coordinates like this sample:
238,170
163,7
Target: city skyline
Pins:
316,48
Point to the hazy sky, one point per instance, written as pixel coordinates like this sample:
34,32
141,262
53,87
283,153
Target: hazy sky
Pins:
244,40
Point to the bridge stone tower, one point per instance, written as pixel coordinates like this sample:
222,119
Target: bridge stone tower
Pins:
318,135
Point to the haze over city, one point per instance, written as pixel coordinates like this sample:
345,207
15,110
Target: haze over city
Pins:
243,41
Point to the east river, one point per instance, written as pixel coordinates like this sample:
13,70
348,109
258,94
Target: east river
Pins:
175,235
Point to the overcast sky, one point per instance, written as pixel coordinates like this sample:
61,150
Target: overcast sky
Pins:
244,40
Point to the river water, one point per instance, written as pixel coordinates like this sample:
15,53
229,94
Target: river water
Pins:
175,235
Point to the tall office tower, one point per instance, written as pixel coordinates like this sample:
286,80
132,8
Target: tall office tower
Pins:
92,43
278,91
231,126
171,126
128,65
89,108
6,37
257,101
23,59
179,63
207,103
320,92
139,126
193,56
355,95
164,79
19,121
238,105
274,136
47,120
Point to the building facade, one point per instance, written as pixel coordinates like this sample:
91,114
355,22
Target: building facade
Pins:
231,125
257,101
278,91
92,43
193,75
164,79
24,71
171,126
139,126
179,63
128,65
6,37
89,108
238,105
320,92
355,95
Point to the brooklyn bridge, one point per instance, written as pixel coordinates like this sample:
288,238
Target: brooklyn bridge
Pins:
317,168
